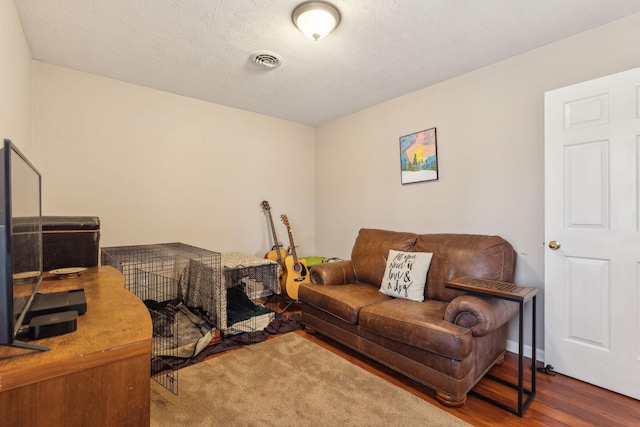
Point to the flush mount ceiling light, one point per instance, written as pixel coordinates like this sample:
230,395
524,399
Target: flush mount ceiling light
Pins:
316,19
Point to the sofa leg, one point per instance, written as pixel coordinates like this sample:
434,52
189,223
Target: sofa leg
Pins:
449,401
310,330
500,360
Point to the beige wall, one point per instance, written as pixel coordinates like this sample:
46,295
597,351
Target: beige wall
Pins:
15,79
490,132
157,167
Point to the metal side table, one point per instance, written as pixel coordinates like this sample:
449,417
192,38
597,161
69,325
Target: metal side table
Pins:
520,294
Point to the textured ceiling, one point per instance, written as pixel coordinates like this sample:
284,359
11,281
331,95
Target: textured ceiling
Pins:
381,49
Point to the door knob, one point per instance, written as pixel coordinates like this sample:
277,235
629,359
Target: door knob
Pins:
554,244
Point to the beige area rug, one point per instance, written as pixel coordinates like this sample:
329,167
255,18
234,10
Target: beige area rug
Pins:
288,381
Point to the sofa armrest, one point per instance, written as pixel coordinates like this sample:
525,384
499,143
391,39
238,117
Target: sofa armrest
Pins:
333,273
480,314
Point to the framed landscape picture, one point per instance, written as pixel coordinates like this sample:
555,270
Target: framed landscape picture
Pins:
419,157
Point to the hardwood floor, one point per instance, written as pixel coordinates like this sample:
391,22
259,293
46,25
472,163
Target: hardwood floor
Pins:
559,401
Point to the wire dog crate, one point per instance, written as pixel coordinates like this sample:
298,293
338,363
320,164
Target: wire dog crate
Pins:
181,286
246,278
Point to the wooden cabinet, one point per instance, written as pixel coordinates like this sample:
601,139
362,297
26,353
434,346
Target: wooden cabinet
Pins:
98,375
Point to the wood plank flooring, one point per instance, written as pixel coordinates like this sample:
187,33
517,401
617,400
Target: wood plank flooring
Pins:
559,401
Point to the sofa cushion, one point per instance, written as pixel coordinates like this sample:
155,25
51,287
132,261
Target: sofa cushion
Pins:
406,275
454,255
419,324
370,251
343,301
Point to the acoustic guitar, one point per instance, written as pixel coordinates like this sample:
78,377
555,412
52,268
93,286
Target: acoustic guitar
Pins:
295,270
276,253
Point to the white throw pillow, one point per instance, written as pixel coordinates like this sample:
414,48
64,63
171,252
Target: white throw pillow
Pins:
406,274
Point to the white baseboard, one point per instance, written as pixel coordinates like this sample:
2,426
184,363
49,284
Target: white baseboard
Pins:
512,347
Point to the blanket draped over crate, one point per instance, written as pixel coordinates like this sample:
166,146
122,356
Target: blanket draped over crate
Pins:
243,278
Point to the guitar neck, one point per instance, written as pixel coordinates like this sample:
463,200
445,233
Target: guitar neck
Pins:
276,244
293,246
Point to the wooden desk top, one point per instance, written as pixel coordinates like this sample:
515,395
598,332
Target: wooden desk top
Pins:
116,326
493,288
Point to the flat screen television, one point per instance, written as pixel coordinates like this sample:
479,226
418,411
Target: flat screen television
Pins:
20,242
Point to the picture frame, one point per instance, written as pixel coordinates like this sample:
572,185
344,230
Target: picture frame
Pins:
419,157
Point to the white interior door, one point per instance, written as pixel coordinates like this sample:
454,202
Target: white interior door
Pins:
592,291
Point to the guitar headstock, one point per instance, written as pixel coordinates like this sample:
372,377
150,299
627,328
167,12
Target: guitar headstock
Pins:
265,205
285,220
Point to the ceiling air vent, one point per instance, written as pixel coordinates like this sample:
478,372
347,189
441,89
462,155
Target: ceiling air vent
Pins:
266,59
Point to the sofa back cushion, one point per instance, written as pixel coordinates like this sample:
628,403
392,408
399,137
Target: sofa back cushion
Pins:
454,255
370,251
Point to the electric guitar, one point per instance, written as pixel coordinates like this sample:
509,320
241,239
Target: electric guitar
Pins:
276,253
295,270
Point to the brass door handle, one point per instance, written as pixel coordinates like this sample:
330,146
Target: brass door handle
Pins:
554,244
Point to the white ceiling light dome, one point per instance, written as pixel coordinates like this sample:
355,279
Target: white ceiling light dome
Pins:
316,19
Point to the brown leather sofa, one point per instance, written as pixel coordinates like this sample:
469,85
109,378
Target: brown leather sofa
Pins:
447,342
